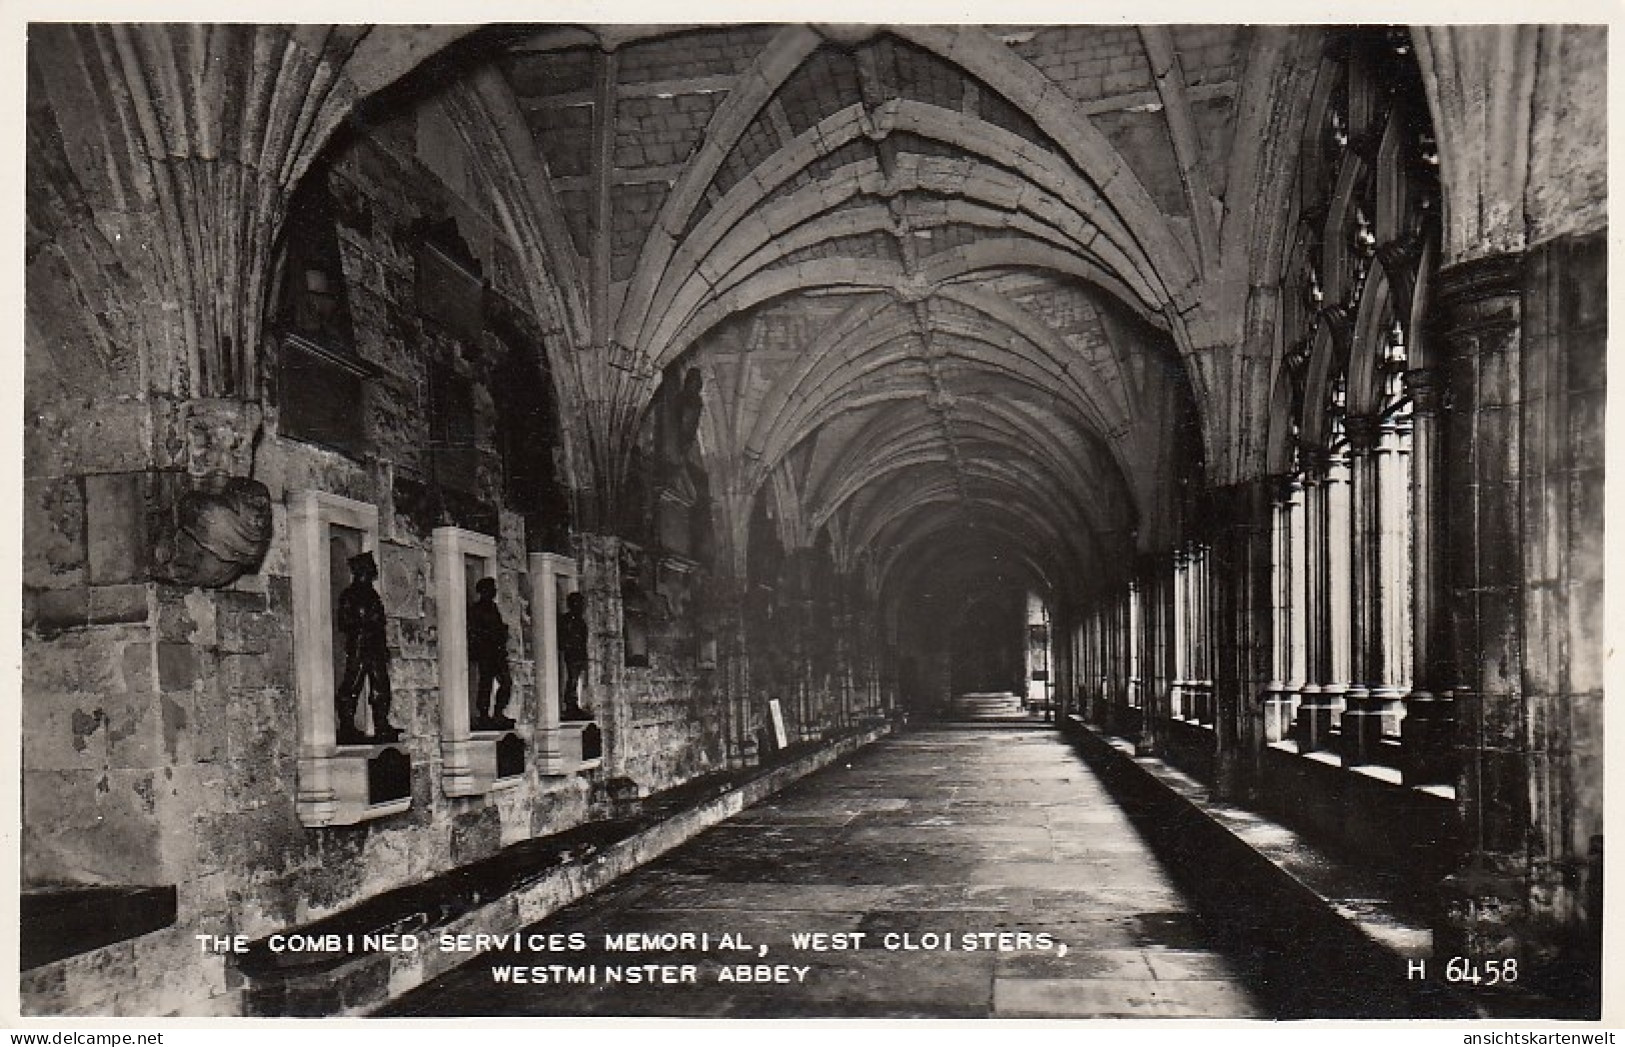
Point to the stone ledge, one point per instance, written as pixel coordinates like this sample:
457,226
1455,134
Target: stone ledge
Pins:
518,887
1341,935
57,923
1317,916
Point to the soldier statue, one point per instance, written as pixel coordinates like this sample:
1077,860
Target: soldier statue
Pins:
573,653
488,650
366,656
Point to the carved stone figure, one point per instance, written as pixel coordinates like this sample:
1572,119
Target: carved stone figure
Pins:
221,518
219,437
685,461
222,531
488,650
573,653
366,656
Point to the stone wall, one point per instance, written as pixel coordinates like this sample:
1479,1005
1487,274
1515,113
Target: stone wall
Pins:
1530,365
161,721
116,752
663,721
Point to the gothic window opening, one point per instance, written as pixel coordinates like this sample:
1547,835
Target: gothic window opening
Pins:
1345,562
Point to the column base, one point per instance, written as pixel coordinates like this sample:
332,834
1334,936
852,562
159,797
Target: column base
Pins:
1360,730
1427,738
1280,703
1318,711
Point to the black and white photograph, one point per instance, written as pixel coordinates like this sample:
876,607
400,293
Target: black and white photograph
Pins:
810,520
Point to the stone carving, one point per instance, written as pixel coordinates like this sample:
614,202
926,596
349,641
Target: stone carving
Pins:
220,437
366,656
222,530
488,651
680,444
221,517
573,654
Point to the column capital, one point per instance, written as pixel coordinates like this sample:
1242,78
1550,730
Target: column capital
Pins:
1482,292
1426,388
1364,430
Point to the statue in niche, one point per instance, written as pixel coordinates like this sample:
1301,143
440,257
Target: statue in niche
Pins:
686,462
221,518
366,656
573,653
488,650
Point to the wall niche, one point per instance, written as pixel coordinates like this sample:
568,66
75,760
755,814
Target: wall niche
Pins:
352,764
564,745
482,742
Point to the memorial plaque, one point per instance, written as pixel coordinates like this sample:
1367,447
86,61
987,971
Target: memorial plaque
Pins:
781,737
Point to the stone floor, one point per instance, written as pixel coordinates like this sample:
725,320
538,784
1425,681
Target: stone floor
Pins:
966,829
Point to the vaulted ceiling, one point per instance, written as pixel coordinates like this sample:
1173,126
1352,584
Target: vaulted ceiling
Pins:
938,278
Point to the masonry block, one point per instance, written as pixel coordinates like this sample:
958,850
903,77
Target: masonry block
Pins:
116,528
405,584
134,730
53,531
177,666
101,436
95,826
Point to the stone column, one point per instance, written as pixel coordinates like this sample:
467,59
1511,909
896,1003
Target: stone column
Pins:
1167,620
1097,669
1478,314
1395,621
733,672
1427,729
1254,647
1101,664
1110,659
854,654
1152,663
1522,336
1477,326
1361,732
1284,572
1150,699
1563,381
1339,596
1201,636
806,701
1178,696
1238,582
1122,652
1300,623
1142,654
1314,724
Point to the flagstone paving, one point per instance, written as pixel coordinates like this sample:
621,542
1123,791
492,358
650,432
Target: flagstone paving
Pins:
919,840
